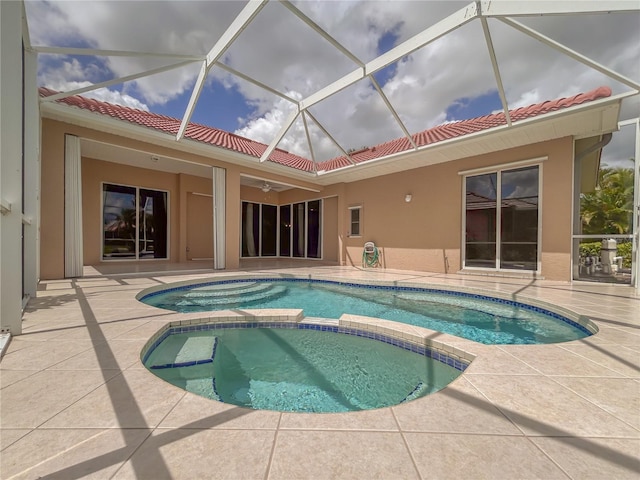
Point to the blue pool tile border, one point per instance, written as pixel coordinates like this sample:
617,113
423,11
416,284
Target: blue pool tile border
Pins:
399,288
423,350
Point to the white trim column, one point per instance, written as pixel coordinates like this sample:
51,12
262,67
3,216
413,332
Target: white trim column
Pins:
73,254
636,207
11,167
31,243
219,218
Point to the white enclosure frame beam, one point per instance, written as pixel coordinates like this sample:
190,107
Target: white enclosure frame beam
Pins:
113,53
496,69
571,53
492,8
293,9
115,81
252,80
635,228
443,27
306,132
393,111
11,187
333,88
244,18
283,131
26,36
448,24
32,180
324,130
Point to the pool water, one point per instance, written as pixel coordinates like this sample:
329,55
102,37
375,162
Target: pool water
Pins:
463,315
296,370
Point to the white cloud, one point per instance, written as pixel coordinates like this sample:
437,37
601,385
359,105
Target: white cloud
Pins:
71,75
113,96
154,26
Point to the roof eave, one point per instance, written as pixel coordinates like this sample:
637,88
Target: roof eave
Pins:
456,148
609,106
107,124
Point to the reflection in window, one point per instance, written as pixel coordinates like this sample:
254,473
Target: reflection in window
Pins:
134,223
480,243
519,219
152,237
250,229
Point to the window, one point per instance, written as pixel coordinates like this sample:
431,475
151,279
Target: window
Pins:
250,229
504,234
134,223
259,230
355,220
269,230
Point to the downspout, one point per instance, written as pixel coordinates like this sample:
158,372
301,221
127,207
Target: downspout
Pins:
606,138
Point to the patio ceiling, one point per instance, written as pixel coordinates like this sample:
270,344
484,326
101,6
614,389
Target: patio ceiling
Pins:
300,107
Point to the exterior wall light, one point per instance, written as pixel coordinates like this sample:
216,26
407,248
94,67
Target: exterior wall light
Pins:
408,197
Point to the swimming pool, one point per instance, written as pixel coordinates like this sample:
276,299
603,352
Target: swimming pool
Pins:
476,317
299,367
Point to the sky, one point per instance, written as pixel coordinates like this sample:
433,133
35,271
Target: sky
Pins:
450,79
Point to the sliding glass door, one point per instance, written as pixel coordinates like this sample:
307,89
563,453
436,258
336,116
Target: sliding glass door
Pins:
502,234
134,223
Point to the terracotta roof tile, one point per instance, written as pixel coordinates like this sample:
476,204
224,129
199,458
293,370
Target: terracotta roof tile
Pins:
464,127
230,141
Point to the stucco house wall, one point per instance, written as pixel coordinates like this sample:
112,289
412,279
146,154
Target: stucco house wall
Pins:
424,234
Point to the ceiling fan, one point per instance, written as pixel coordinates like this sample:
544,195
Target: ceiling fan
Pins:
265,187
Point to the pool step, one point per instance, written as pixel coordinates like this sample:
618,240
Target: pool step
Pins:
235,301
233,289
462,305
223,286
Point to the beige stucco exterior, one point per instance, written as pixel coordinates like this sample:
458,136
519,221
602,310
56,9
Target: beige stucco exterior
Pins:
424,234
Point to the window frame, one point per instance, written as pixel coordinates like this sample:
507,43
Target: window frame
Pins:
498,170
351,209
137,238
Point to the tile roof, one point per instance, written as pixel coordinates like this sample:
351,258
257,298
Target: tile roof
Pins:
463,127
230,141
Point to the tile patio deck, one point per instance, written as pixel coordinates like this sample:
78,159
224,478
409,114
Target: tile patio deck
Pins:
76,402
